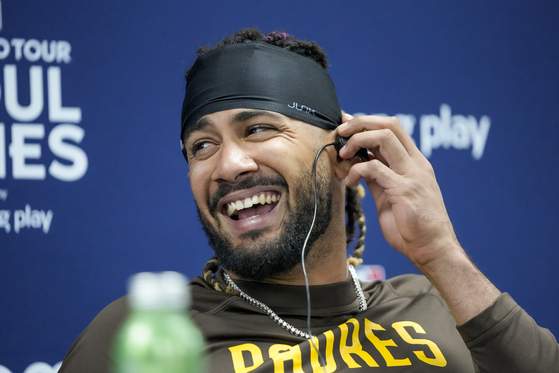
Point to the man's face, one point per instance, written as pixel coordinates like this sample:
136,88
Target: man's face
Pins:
250,173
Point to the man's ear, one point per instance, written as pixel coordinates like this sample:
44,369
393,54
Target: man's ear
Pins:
340,166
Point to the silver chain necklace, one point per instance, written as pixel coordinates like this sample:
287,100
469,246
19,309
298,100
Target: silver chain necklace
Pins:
281,322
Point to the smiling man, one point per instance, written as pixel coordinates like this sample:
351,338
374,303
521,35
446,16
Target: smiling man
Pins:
251,201
257,111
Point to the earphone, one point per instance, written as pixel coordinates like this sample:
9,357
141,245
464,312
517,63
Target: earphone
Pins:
341,141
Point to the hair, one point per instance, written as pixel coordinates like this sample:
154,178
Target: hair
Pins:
280,39
354,195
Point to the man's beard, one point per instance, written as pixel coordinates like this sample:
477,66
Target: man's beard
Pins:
258,261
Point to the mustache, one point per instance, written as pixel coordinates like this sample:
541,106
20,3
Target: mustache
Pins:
225,189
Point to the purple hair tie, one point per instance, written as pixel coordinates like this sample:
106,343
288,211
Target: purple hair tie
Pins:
280,35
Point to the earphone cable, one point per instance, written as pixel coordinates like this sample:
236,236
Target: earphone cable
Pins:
307,287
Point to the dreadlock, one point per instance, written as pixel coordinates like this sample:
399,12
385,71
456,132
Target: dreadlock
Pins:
354,195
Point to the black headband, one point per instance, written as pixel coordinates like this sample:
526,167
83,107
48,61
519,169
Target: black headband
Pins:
260,76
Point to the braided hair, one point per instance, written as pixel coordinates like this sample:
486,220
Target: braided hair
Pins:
354,211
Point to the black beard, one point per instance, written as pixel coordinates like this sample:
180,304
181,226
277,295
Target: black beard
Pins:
259,261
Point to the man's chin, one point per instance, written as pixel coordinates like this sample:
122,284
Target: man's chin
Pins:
258,255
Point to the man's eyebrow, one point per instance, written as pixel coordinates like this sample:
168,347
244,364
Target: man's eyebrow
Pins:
241,117
246,115
199,125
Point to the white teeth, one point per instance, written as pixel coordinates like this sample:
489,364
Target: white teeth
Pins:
251,201
239,205
248,203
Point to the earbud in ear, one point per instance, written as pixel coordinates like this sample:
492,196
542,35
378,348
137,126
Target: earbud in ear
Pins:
341,141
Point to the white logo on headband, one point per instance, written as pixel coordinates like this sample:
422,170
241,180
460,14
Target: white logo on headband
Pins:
304,108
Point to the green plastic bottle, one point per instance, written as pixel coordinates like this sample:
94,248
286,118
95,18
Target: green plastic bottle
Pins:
158,336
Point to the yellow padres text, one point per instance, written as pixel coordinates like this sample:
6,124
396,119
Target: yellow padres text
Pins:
342,346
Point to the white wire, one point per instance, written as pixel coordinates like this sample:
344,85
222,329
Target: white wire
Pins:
307,287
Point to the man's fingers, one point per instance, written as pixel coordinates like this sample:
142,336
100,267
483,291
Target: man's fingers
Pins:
346,117
384,145
370,123
374,173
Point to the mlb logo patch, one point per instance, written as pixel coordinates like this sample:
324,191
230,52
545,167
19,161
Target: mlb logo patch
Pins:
370,272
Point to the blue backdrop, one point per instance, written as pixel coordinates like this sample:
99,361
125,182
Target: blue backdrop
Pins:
93,186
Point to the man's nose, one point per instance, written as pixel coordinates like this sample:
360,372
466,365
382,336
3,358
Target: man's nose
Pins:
235,160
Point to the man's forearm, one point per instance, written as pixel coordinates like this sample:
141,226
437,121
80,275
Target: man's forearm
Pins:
461,284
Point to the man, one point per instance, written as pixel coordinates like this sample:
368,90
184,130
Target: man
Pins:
257,110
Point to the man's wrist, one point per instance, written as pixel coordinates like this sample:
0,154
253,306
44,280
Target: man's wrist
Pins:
462,285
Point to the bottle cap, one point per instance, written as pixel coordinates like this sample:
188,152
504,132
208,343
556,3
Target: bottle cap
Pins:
166,290
174,290
143,291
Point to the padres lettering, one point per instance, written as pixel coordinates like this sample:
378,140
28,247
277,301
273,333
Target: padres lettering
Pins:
352,345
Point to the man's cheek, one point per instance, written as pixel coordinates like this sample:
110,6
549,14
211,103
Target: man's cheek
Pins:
200,194
211,216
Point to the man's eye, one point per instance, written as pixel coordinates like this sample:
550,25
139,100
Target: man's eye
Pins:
200,146
253,130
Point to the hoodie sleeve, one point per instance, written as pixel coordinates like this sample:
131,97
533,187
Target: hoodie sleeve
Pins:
504,338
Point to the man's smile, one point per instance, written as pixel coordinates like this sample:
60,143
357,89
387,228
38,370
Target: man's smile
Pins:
253,208
260,203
